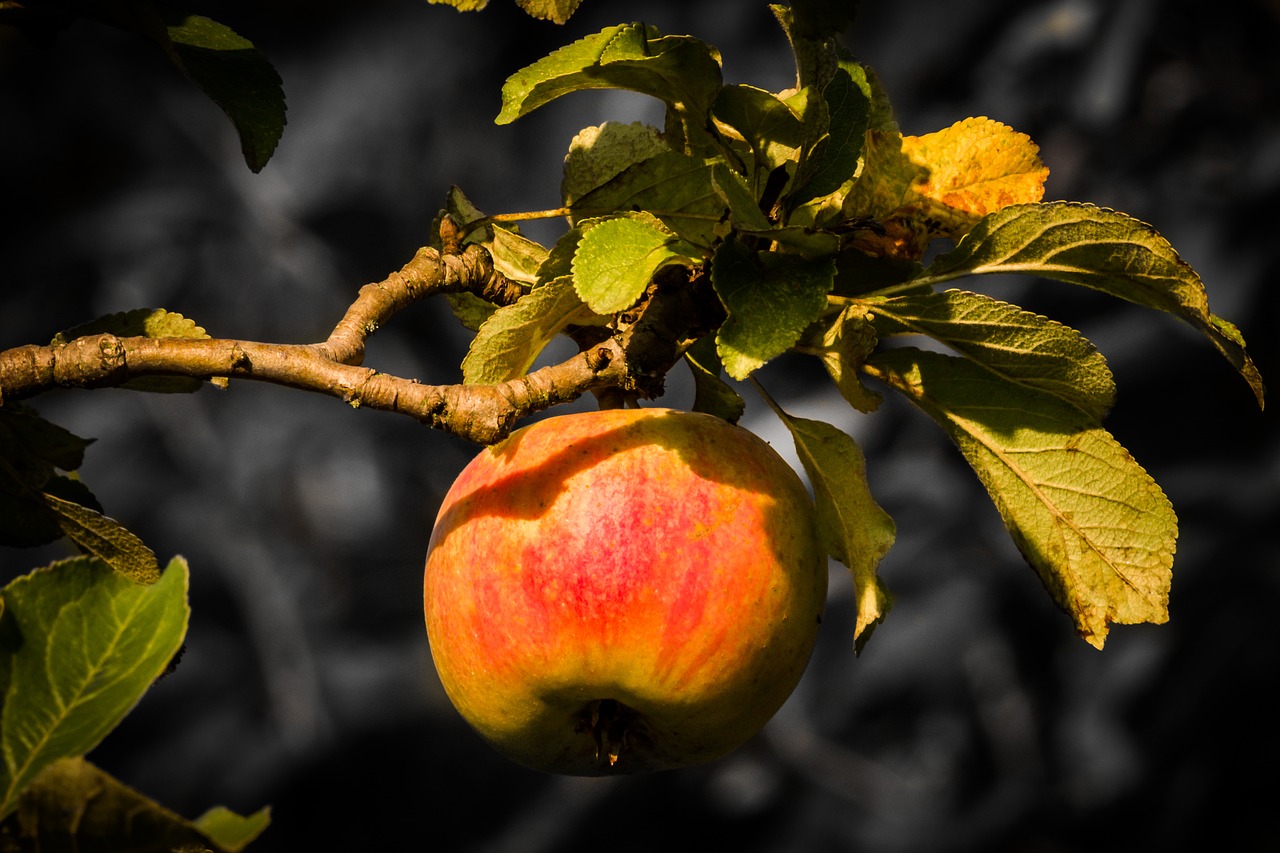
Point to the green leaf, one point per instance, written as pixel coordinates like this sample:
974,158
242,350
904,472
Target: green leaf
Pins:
1092,523
855,530
514,255
230,831
512,338
74,805
1015,344
837,126
711,394
734,194
79,645
770,130
844,346
237,77
21,427
144,323
771,299
617,258
676,188
681,71
1100,249
599,154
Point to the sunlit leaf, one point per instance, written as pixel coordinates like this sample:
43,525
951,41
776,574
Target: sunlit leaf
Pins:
105,538
558,11
855,530
681,71
1093,524
79,645
509,341
1013,343
617,258
676,188
771,299
73,805
768,128
1100,249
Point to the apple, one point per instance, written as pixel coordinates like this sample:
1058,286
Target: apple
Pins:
623,590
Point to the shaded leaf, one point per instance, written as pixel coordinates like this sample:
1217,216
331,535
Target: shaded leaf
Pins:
237,77
617,258
711,394
770,298
768,128
74,805
855,530
844,346
22,429
831,158
105,538
512,338
1092,523
79,645
1013,343
1100,249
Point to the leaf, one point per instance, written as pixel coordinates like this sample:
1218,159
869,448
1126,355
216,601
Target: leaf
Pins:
855,530
677,188
558,11
230,831
845,345
106,539
237,77
74,805
822,19
744,210
837,133
975,167
771,299
1101,249
941,184
514,255
1017,345
599,154
711,394
144,323
22,427
617,258
512,338
1092,523
79,645
681,71
765,124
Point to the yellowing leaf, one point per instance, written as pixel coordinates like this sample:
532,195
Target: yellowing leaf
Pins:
975,167
941,184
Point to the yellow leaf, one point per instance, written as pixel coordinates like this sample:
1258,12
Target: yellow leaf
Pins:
973,168
941,184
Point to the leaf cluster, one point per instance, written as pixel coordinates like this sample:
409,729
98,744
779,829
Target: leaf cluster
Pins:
810,215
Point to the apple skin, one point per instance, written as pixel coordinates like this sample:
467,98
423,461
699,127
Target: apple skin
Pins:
624,590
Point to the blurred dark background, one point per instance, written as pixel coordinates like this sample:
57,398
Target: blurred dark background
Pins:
973,721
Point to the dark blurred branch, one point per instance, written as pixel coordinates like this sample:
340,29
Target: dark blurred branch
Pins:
650,339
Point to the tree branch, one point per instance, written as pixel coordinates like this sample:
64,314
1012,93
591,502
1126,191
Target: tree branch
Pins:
647,343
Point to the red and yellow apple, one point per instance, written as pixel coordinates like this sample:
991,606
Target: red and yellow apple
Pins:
623,590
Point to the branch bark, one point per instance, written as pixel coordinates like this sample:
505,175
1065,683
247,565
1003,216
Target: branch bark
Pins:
647,343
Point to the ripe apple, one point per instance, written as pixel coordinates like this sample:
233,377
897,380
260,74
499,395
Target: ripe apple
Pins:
623,590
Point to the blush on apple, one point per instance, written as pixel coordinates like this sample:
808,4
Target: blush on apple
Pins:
623,590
